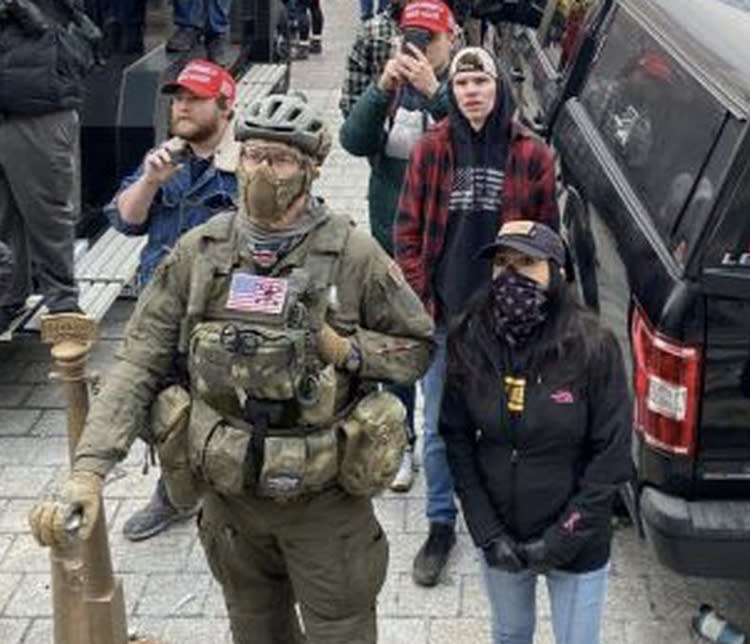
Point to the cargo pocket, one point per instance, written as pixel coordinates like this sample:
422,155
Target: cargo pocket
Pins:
365,555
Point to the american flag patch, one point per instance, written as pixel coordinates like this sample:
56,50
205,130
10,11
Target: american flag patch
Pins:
256,294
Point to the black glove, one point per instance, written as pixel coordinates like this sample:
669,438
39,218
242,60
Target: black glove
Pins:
537,556
502,553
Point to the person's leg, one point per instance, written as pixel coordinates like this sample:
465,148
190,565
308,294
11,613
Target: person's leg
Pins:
405,475
441,505
577,603
337,556
365,9
217,31
189,17
302,46
154,517
382,5
43,179
316,15
512,600
18,278
249,566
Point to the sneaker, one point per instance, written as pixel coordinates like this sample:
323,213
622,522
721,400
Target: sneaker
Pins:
301,50
405,475
183,40
155,517
217,49
433,555
316,45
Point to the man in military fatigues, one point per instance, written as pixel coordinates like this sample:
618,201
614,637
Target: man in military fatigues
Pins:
283,313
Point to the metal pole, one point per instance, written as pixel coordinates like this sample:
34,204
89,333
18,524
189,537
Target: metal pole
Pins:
89,562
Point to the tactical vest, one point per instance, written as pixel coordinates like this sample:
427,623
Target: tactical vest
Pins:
263,404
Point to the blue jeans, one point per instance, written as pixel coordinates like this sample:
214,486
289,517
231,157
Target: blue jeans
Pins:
441,506
576,601
365,8
208,16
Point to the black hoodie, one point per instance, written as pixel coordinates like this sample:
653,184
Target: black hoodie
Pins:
476,195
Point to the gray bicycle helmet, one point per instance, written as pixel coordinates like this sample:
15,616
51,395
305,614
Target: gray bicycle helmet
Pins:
286,118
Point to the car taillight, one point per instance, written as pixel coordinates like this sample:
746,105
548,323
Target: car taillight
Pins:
667,388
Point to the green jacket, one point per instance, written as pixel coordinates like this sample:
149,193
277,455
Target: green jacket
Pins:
375,307
363,134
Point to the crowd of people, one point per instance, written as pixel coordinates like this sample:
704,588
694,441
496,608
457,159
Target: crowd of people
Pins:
281,339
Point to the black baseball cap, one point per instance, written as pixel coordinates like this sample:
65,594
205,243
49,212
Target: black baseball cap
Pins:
531,238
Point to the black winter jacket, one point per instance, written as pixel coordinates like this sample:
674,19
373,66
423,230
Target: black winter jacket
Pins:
551,471
42,68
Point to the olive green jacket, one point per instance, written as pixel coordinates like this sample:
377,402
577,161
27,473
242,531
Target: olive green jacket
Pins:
376,308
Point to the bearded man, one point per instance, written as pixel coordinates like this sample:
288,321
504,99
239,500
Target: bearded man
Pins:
180,184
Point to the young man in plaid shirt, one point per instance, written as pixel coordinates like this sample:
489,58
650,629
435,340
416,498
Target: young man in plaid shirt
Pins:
473,171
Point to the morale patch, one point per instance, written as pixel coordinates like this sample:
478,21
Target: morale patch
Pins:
256,294
395,273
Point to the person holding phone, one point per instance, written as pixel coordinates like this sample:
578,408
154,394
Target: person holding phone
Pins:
388,119
181,183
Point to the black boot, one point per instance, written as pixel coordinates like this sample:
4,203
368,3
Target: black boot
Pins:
433,555
183,40
155,517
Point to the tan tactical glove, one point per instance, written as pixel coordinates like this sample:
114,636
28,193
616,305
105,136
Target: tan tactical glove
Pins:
81,495
333,348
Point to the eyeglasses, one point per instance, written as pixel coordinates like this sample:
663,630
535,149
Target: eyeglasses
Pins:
275,157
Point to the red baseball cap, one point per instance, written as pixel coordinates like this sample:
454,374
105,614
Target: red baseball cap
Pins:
204,79
432,15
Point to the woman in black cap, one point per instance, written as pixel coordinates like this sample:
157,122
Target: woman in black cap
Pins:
536,421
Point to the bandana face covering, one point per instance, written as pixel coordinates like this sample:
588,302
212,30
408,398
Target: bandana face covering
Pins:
519,307
266,198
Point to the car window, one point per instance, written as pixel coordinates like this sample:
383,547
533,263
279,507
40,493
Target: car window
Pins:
659,123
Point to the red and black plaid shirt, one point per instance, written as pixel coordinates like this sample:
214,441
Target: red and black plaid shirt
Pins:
421,222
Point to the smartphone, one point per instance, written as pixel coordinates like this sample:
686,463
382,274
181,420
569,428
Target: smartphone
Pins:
420,38
176,157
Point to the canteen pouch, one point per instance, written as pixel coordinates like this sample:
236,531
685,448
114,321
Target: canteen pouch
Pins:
220,452
297,465
170,414
373,438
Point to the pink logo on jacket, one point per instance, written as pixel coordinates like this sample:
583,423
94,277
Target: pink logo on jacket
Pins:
563,397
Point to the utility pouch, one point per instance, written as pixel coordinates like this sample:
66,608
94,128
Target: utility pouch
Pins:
297,465
219,451
373,439
169,420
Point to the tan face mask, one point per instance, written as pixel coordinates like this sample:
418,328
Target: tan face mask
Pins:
267,198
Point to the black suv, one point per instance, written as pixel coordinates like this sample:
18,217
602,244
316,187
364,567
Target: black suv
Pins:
648,113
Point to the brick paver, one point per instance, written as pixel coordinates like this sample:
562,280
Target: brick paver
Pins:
169,591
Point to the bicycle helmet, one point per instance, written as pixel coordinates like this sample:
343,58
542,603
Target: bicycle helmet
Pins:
286,118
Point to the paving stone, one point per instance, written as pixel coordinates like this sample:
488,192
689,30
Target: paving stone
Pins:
402,630
18,449
25,555
47,396
390,514
164,554
441,601
52,422
17,422
459,631
12,630
8,585
215,605
13,395
182,631
40,632
13,515
24,482
52,450
174,595
130,482
36,373
474,601
32,597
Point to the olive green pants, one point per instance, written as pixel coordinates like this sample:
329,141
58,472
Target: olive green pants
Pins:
327,553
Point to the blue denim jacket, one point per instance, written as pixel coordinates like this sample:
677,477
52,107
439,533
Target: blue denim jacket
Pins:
179,205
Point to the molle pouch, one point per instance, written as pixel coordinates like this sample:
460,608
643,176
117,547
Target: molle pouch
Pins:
373,439
169,420
219,451
283,467
321,412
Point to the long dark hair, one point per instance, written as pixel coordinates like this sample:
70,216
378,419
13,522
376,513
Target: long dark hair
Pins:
569,338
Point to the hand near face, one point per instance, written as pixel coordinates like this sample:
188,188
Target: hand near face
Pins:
418,71
158,166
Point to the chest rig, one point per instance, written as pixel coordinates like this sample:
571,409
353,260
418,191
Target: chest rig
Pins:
250,338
